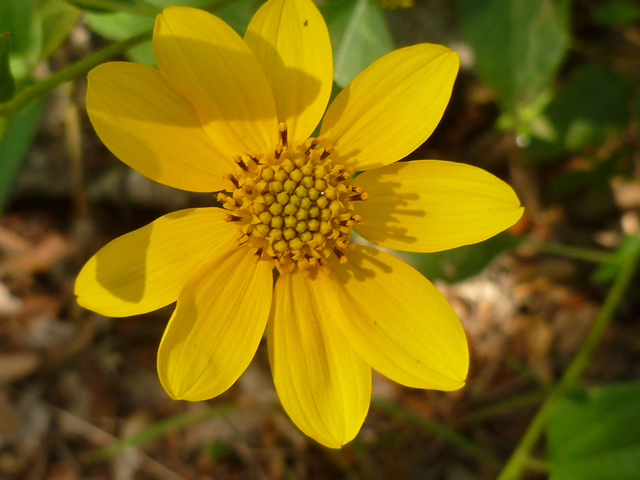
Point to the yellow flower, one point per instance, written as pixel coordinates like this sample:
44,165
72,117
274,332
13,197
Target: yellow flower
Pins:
233,114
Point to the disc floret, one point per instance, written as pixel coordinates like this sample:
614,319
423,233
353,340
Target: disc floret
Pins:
293,205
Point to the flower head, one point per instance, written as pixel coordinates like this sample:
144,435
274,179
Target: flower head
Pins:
235,115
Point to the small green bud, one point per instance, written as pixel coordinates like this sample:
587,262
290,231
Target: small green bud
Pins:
276,208
290,209
313,225
277,222
265,217
301,226
289,233
282,198
296,175
280,175
290,221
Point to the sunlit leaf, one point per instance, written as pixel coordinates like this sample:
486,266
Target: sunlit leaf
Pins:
595,434
518,45
359,36
591,107
58,18
20,19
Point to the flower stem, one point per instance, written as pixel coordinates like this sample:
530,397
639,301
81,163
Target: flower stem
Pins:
521,456
576,253
32,93
440,430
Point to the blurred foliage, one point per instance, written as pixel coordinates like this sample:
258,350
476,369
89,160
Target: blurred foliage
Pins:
595,434
359,36
618,13
590,107
460,263
518,46
607,272
37,30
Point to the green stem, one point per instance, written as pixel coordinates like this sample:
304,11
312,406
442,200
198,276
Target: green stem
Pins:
518,461
30,94
576,253
440,431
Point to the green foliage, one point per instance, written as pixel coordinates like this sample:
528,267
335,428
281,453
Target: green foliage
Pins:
7,84
455,265
591,107
618,13
15,143
58,18
19,18
607,272
518,45
359,36
37,29
595,434
120,25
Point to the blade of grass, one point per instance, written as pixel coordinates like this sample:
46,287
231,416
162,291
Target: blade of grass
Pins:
153,432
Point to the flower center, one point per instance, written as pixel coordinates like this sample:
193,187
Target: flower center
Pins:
293,205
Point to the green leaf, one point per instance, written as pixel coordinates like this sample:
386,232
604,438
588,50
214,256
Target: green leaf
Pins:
518,45
460,263
618,13
595,434
359,36
19,17
120,26
591,107
58,18
15,143
7,84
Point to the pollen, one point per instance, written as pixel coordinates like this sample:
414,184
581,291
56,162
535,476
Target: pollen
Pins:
294,207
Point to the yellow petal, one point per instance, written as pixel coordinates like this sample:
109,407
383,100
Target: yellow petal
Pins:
204,60
395,319
153,129
291,42
214,333
145,270
431,205
392,107
324,386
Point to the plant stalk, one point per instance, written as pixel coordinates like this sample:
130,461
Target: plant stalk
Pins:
521,456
